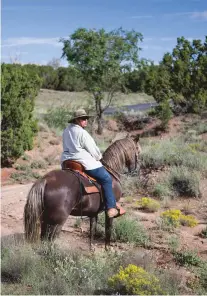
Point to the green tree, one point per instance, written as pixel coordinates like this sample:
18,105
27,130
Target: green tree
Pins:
70,79
17,103
157,84
187,66
49,77
136,79
102,58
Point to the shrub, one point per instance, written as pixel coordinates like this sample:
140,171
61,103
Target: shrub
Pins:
148,204
202,272
173,242
173,152
187,258
26,175
198,147
38,164
164,113
171,218
130,185
134,280
46,270
18,127
185,182
125,229
188,220
58,117
162,190
129,230
175,218
200,127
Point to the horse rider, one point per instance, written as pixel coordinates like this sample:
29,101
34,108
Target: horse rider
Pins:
78,145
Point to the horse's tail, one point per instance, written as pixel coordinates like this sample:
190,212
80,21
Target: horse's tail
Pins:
33,210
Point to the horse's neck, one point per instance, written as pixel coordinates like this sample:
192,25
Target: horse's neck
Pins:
115,159
111,170
114,173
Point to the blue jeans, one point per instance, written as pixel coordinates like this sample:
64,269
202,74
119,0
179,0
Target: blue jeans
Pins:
104,178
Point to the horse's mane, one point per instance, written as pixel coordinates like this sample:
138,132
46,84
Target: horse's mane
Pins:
116,155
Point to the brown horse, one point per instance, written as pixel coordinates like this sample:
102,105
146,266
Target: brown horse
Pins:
57,195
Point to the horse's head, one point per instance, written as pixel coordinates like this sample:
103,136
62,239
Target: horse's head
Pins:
133,153
123,153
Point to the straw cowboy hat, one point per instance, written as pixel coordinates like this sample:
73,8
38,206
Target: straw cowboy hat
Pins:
79,114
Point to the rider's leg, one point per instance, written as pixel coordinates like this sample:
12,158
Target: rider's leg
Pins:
104,178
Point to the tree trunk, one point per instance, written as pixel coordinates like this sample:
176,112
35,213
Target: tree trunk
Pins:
100,125
99,113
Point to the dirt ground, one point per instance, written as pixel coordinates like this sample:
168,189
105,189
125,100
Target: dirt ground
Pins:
13,198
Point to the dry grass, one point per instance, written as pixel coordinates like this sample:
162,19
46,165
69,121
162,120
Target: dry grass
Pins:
47,99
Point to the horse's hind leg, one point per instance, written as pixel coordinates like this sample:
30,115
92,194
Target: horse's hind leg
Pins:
93,228
108,230
50,232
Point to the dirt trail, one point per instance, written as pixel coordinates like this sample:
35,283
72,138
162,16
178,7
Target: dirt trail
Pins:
13,198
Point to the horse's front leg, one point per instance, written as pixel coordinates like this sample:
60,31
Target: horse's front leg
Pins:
93,226
108,229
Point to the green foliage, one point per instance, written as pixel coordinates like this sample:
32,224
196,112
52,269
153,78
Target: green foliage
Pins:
135,80
101,57
164,113
200,127
162,190
127,229
46,270
38,164
184,182
173,242
187,258
130,185
202,272
172,152
19,89
23,176
134,280
180,78
69,79
58,117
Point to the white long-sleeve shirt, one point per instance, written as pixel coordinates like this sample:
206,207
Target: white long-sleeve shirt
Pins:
80,146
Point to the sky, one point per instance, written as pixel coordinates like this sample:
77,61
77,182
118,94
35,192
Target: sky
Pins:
31,29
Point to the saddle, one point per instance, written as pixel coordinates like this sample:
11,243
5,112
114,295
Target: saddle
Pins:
89,184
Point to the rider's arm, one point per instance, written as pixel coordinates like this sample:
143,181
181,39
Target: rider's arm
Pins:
89,144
